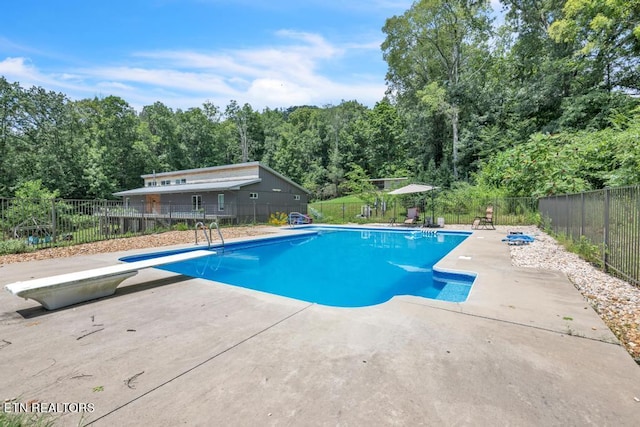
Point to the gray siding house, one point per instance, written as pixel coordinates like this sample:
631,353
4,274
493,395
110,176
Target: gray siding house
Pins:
239,193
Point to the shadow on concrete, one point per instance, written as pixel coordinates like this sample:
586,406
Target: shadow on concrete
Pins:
34,312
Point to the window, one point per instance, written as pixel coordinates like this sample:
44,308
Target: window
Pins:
296,197
220,202
165,182
151,184
181,181
196,202
253,195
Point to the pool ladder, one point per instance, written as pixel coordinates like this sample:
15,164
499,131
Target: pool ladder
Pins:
200,226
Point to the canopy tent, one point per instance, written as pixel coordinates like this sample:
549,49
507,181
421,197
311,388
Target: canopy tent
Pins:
417,188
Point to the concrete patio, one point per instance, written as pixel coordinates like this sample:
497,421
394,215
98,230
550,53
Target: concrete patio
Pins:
525,349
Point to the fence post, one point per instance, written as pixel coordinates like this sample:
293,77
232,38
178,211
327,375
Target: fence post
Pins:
556,214
605,257
53,220
105,224
568,214
582,214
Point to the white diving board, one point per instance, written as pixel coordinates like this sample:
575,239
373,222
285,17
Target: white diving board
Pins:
71,288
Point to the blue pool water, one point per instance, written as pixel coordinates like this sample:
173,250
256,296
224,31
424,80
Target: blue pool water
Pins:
337,267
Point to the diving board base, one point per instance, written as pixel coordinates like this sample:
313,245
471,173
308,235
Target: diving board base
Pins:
54,297
72,288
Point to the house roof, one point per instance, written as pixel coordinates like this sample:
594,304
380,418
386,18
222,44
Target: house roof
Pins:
189,188
210,185
199,170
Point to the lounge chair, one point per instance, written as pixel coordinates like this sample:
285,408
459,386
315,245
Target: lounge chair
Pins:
485,221
413,216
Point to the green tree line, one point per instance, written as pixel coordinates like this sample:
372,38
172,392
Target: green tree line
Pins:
543,104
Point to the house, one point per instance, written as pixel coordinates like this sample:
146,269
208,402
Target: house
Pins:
239,193
384,184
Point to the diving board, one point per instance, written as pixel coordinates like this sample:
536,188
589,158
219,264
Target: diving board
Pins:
71,288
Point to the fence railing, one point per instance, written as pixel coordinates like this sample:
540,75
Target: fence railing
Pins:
55,222
609,219
49,222
506,211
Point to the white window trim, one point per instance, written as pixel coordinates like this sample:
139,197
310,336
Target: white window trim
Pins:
196,202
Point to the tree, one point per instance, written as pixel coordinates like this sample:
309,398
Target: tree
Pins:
33,203
357,182
607,36
387,148
245,121
55,144
197,134
162,124
12,115
110,131
289,158
273,125
432,43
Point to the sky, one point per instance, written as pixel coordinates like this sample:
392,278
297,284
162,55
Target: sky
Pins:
183,53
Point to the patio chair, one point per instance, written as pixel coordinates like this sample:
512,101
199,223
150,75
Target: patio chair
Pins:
413,216
485,221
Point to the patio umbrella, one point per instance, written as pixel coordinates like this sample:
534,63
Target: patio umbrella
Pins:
417,188
413,188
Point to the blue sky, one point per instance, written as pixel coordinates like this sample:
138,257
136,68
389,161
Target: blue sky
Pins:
268,53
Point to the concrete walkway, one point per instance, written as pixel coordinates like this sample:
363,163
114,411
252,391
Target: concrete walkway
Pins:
524,350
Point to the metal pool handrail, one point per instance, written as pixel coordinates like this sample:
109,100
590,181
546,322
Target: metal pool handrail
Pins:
200,225
215,224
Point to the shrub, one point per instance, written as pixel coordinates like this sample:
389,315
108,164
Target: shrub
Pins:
278,218
181,226
14,247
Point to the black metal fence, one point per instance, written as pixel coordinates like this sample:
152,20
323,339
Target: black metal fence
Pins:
55,222
608,219
506,211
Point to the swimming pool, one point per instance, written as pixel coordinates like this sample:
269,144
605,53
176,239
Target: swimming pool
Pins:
343,267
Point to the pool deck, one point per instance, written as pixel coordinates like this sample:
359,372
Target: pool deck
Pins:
525,350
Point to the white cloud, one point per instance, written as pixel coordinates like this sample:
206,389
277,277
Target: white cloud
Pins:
14,68
290,71
23,71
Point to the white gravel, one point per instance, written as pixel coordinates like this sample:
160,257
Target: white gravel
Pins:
616,301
